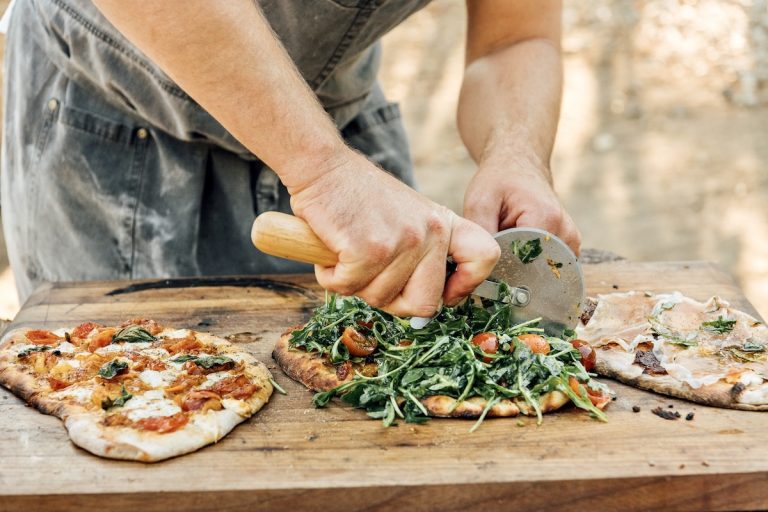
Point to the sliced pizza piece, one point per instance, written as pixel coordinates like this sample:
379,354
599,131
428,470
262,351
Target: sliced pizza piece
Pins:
706,352
137,391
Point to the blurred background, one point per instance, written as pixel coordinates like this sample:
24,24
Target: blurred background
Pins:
662,152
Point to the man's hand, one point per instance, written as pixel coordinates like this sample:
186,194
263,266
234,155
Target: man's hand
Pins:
391,241
514,193
508,113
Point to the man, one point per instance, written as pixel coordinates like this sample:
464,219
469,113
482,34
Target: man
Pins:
141,138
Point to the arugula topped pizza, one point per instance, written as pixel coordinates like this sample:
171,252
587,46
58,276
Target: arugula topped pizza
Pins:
706,352
137,391
470,361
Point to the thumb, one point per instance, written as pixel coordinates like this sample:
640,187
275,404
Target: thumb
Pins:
475,253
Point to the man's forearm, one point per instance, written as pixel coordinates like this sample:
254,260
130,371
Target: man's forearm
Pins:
225,56
510,103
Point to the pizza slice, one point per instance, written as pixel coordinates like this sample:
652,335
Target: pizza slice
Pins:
137,391
706,352
471,361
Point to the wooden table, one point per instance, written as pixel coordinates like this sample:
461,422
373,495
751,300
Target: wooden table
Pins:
292,456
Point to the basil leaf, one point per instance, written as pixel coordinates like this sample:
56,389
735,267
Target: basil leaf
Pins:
527,251
40,348
206,362
120,401
133,334
721,325
113,368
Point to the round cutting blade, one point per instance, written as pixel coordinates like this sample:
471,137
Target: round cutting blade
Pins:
544,265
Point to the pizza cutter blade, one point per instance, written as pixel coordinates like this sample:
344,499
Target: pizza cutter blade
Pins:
544,277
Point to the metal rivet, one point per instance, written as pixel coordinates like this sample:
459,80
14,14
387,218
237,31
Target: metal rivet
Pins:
142,133
53,104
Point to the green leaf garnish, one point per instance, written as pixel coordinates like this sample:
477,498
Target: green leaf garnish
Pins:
206,362
721,325
120,401
133,334
40,348
438,359
113,368
527,251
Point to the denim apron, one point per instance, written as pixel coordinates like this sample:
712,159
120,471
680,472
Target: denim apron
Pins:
110,171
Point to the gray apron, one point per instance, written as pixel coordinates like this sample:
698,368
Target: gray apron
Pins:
110,171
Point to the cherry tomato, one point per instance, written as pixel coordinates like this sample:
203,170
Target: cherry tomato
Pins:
164,424
82,330
343,370
588,355
487,342
57,384
42,337
357,344
536,343
195,400
598,399
102,338
237,387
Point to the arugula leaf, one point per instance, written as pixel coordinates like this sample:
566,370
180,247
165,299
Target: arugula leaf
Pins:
721,325
739,354
527,251
133,334
206,362
120,401
671,336
751,346
113,368
438,359
40,348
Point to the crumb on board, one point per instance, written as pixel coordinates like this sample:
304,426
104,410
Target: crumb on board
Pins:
662,413
689,416
635,408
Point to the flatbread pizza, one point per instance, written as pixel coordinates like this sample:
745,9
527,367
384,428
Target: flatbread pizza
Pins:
471,361
137,391
706,352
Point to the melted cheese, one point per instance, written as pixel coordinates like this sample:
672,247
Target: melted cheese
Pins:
155,352
79,394
148,405
65,347
156,379
178,333
122,347
213,378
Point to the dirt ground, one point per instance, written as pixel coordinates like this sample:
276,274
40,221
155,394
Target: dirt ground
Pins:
662,152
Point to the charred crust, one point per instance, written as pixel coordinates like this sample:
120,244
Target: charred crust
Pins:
588,311
736,390
649,362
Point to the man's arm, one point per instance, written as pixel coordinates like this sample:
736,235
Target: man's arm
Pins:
392,242
508,113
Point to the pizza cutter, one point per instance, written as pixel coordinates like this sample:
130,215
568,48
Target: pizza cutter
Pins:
542,274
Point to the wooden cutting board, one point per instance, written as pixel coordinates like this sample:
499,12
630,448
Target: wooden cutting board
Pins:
292,456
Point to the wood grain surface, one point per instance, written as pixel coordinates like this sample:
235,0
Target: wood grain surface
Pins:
294,457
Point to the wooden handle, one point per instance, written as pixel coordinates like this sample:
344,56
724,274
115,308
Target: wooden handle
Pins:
290,237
